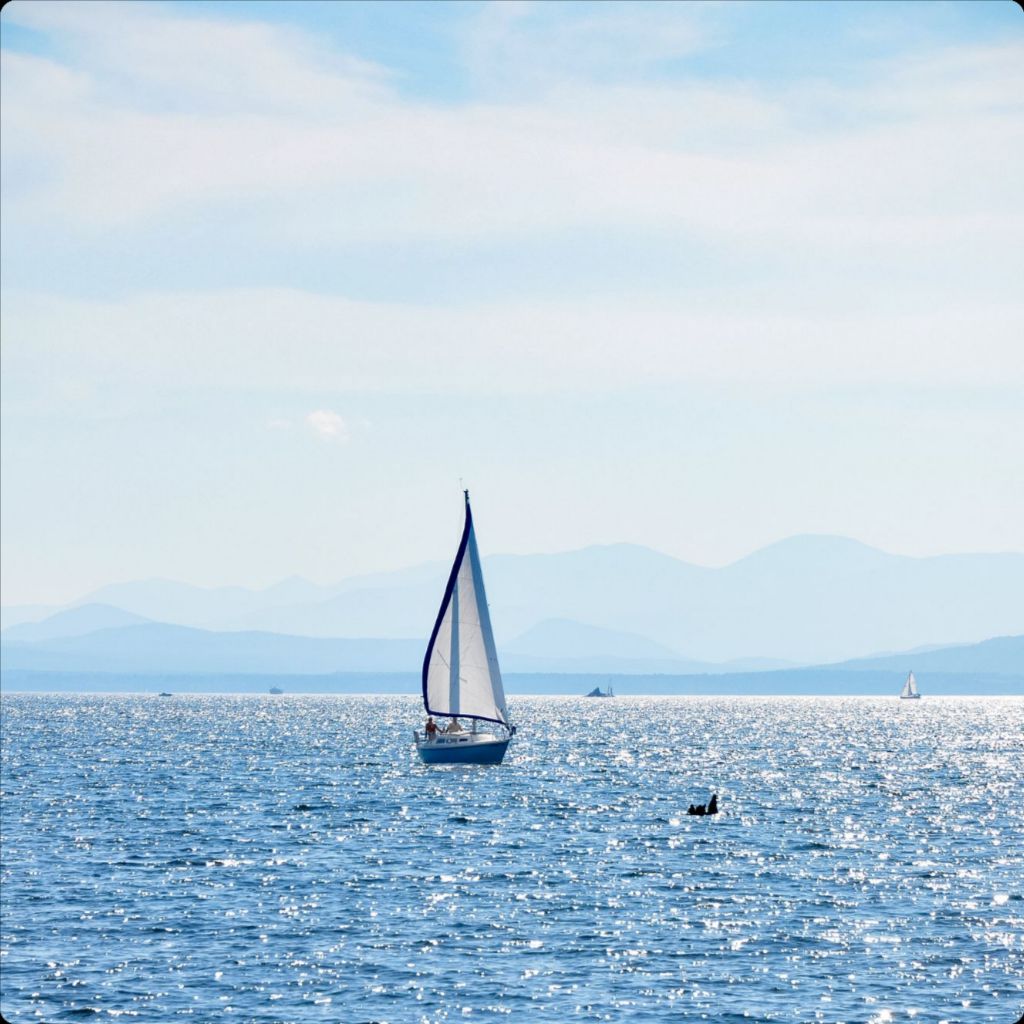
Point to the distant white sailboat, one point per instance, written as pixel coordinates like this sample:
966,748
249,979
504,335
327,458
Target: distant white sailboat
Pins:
461,677
909,691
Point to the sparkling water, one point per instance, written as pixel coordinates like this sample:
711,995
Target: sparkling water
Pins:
287,859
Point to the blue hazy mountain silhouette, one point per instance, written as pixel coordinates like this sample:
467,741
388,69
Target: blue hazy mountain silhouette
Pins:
562,645
1002,655
808,600
86,618
565,638
158,648
167,649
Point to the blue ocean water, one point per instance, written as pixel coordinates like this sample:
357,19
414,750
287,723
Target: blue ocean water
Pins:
286,859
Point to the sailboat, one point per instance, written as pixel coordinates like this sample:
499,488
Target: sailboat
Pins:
909,691
461,677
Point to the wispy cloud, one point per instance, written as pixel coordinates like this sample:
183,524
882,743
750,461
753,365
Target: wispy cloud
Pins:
281,341
227,112
328,425
698,283
512,47
915,165
145,55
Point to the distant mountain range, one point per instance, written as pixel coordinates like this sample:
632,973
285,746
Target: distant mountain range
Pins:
100,638
146,648
565,646
79,621
156,647
1002,655
808,600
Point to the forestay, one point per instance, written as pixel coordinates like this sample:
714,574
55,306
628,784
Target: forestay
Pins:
460,669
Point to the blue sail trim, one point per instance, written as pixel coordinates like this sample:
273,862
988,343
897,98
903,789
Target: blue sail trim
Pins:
453,578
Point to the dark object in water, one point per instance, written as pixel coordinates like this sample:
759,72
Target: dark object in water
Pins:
276,690
597,692
701,809
164,693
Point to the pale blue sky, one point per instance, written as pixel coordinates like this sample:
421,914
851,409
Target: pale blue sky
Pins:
695,276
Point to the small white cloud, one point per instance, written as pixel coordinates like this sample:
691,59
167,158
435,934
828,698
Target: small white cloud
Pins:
328,425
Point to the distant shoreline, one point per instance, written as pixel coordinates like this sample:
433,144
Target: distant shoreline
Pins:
795,682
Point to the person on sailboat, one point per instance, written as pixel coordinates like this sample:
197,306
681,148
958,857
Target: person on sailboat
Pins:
431,729
454,726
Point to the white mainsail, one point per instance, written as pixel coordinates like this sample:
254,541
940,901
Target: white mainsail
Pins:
910,687
460,669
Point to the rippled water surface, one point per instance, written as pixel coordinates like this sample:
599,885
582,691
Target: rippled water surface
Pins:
288,860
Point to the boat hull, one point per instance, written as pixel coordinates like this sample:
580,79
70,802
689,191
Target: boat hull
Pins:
469,750
910,696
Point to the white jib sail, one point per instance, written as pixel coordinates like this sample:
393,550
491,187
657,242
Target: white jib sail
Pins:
460,670
910,686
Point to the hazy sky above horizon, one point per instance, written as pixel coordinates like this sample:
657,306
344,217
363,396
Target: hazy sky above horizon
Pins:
277,275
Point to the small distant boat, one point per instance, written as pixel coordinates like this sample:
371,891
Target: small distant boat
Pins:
276,690
461,677
598,692
909,691
164,693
